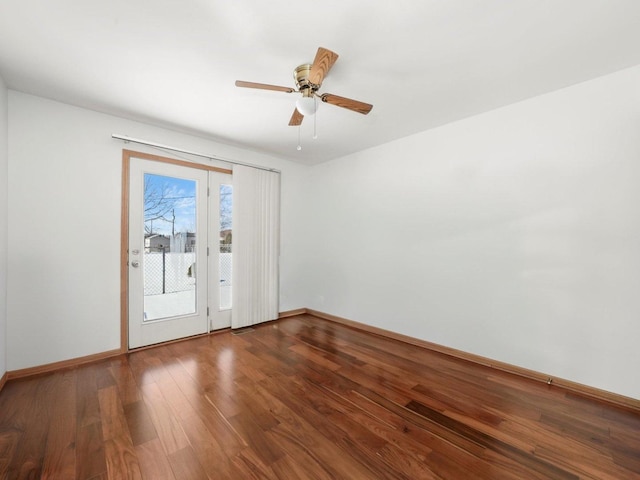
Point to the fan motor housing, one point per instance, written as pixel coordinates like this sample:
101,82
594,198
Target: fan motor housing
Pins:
301,77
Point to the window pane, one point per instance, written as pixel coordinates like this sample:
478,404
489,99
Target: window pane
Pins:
169,241
226,209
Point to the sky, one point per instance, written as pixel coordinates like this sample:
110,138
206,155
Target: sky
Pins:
166,196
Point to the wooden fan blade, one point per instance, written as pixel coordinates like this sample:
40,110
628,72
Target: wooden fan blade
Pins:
321,65
263,86
348,103
296,118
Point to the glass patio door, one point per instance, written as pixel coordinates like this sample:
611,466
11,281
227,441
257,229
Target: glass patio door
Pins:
167,252
221,253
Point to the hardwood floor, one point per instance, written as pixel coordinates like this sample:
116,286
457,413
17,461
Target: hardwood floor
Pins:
303,398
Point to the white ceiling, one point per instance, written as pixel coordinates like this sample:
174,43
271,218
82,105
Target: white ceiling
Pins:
421,63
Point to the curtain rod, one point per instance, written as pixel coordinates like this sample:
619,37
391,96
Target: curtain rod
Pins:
189,152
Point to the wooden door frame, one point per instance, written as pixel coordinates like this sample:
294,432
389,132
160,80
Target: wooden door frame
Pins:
124,229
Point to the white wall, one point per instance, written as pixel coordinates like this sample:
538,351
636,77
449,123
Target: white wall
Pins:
3,224
64,226
513,235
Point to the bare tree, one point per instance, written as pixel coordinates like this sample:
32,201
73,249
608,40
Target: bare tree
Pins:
161,201
158,203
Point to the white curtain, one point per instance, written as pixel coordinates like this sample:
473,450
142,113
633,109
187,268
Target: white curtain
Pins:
256,245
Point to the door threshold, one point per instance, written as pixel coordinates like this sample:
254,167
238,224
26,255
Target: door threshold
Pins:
241,331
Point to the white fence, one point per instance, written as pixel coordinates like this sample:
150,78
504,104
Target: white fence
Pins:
175,272
168,272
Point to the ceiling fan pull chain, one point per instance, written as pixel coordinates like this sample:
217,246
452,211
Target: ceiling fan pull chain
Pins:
299,147
315,117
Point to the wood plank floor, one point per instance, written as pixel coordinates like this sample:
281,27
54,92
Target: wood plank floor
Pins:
303,398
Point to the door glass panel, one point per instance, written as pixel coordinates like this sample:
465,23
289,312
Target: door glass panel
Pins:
226,243
169,246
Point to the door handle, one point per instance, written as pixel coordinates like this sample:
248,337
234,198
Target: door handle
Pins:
135,264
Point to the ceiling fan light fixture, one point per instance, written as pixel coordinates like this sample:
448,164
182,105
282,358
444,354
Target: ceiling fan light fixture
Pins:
306,106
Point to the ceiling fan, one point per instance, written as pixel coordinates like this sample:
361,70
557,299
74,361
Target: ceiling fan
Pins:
308,78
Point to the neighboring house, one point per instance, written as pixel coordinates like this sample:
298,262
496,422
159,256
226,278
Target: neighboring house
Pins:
225,236
184,242
156,243
225,240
